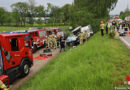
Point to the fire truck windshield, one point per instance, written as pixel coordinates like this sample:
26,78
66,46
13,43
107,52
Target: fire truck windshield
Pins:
1,64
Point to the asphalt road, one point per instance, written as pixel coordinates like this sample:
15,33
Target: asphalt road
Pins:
126,40
38,64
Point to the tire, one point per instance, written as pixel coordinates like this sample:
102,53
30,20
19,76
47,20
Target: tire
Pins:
34,48
25,69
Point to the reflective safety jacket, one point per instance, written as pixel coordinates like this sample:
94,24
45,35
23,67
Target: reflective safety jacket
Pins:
102,26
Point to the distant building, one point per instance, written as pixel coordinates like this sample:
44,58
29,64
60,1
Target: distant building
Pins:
44,18
127,18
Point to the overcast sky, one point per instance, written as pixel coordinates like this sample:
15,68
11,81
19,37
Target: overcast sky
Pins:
121,5
6,3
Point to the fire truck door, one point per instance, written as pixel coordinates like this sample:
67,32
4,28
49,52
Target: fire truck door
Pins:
15,54
28,45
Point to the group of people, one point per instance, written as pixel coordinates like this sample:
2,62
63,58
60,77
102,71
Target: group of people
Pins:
124,25
52,42
83,36
115,25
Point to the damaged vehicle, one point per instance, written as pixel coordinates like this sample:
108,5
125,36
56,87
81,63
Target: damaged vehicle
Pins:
73,39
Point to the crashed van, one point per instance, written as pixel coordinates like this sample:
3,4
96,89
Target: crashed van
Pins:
73,39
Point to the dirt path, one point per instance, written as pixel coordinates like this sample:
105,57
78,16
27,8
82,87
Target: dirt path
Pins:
38,64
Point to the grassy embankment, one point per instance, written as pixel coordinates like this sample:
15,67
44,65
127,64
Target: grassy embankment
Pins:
92,66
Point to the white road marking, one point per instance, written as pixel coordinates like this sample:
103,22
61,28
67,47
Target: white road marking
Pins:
125,41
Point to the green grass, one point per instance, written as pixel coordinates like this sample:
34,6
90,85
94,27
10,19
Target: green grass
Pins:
92,66
6,29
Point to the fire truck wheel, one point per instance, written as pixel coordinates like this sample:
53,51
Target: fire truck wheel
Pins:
25,69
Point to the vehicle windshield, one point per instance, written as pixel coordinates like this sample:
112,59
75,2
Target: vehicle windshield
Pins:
1,64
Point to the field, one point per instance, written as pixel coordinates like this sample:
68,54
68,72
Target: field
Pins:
92,66
6,29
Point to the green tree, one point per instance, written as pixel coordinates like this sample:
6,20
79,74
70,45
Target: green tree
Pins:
22,9
67,12
2,16
91,12
40,12
54,12
124,14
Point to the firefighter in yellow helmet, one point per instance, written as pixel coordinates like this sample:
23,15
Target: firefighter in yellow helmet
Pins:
85,35
81,37
54,39
50,41
102,27
47,42
2,86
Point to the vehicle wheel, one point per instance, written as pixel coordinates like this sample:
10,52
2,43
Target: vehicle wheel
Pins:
25,69
34,48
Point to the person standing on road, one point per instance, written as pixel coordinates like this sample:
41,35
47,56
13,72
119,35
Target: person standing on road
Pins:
62,43
114,23
102,27
54,41
118,26
50,41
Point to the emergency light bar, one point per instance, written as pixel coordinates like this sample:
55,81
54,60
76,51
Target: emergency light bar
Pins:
12,32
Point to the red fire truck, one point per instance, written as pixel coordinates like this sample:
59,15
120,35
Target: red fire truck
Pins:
16,56
54,30
38,37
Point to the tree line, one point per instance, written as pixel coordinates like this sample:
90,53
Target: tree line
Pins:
80,12
125,13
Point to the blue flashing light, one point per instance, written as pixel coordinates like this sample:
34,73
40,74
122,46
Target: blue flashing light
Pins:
11,32
26,31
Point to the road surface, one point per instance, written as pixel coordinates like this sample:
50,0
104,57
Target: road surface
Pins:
38,64
126,40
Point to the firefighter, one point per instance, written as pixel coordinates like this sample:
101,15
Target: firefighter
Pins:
126,26
118,26
81,37
85,35
102,27
62,43
3,86
106,28
47,42
50,41
54,39
114,23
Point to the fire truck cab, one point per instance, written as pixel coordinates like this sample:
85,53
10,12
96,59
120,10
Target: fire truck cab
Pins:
16,56
38,38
